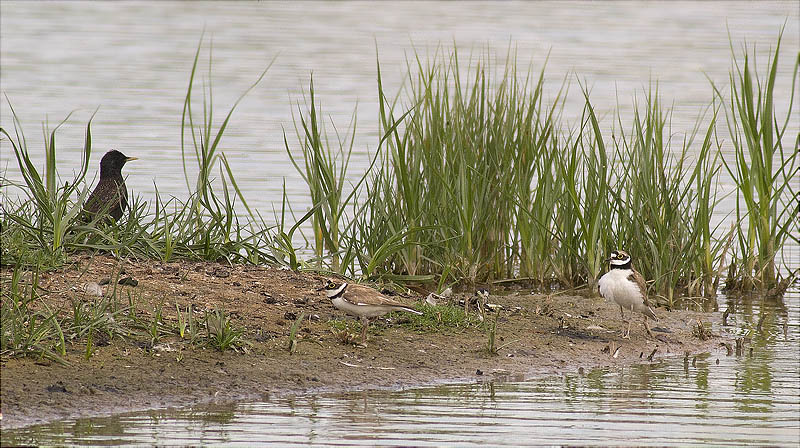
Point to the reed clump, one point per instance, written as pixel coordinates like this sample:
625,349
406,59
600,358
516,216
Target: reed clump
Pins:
458,154
663,200
480,179
765,172
476,177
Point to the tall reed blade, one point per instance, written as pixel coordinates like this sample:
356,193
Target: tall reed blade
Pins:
762,168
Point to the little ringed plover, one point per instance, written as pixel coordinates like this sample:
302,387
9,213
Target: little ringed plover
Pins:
627,288
363,302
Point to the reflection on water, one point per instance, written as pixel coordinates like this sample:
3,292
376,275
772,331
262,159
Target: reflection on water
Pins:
753,397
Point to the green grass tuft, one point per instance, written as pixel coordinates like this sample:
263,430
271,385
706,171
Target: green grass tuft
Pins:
764,171
436,319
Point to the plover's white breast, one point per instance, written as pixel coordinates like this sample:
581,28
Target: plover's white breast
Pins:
616,286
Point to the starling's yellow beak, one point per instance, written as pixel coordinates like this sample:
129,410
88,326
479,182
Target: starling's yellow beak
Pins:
128,159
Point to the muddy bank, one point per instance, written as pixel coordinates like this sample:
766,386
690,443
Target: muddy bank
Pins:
540,334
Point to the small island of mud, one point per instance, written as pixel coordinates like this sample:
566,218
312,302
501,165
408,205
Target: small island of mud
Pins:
535,335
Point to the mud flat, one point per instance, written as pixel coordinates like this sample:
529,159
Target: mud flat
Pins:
538,335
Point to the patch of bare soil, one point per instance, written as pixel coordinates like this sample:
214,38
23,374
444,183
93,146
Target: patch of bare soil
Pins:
542,334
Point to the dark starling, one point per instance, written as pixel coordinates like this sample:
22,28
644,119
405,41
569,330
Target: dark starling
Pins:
110,195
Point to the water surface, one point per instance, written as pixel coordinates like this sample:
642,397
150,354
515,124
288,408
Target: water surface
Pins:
715,398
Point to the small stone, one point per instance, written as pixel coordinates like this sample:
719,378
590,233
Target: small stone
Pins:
479,372
129,281
57,387
219,272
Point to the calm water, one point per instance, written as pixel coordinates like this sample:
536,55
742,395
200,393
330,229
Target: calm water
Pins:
714,399
133,61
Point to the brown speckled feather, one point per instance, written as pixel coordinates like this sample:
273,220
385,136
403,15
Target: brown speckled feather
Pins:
363,295
109,195
637,278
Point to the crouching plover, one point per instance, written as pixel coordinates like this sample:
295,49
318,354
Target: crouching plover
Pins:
363,302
